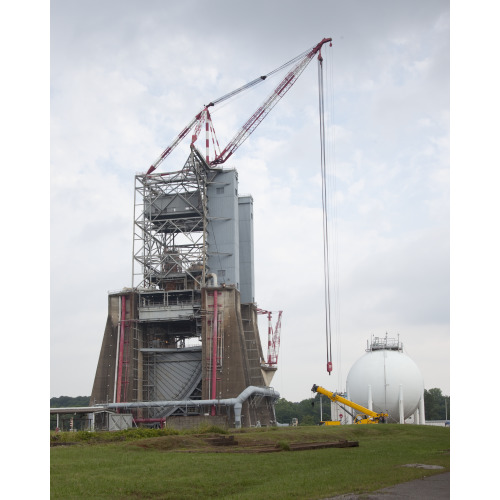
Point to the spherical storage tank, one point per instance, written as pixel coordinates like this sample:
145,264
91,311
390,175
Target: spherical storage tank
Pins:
387,375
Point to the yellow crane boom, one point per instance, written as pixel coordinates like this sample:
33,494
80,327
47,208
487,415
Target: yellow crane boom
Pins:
370,416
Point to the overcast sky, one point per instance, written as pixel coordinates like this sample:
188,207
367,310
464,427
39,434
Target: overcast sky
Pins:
127,76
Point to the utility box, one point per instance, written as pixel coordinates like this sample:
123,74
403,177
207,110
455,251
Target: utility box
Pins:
119,422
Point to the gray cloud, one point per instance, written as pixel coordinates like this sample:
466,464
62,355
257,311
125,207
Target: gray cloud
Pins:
127,76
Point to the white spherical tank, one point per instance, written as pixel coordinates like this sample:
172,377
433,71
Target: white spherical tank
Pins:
388,376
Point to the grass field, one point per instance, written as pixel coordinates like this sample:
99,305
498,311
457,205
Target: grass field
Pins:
170,464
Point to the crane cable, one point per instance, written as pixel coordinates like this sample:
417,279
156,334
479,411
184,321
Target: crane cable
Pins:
258,80
324,202
330,218
336,267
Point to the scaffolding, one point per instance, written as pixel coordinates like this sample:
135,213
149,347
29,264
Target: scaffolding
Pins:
170,226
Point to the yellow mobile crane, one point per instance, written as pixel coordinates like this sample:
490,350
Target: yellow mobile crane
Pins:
365,416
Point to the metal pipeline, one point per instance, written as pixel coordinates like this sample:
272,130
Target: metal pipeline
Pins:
123,314
236,403
161,421
214,350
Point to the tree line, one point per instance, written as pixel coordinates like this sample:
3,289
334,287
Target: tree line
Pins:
307,411
437,405
69,402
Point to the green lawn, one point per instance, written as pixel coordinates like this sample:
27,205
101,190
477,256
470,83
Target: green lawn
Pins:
160,467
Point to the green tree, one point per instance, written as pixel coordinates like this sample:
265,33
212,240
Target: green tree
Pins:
285,411
437,405
307,411
69,402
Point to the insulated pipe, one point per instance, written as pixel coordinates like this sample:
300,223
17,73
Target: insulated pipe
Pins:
215,320
161,421
117,356
122,339
370,399
237,402
149,420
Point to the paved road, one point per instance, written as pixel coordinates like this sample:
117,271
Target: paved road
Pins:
429,488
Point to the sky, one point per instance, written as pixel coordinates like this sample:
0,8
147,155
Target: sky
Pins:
126,77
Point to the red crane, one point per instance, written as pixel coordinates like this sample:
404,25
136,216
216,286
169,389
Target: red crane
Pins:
253,122
273,337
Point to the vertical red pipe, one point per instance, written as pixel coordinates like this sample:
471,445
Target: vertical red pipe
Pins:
120,355
214,351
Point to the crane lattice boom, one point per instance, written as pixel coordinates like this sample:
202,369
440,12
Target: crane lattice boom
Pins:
284,86
253,122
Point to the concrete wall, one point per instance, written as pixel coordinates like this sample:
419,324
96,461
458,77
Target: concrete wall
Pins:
103,390
241,351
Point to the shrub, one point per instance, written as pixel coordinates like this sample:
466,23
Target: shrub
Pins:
210,429
283,445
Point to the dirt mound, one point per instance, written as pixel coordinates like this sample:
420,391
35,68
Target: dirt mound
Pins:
228,444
